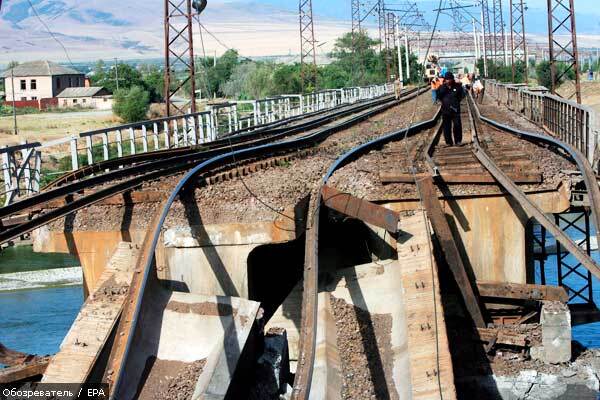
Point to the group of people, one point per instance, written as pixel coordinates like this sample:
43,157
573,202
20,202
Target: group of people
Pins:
450,92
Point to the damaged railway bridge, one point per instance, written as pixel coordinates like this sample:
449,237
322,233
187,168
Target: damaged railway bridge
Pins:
346,254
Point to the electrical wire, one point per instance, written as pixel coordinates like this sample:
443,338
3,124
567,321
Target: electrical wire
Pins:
206,81
219,41
50,32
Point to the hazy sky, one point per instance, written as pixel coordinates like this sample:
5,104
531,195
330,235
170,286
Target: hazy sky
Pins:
341,8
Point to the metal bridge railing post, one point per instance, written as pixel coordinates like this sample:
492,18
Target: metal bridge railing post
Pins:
155,136
105,145
74,154
88,146
37,172
144,139
119,140
132,141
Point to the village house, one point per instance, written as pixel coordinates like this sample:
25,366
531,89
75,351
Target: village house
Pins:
39,80
86,97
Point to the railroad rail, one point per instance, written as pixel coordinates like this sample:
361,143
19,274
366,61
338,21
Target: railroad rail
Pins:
137,174
239,136
119,371
425,182
123,370
22,164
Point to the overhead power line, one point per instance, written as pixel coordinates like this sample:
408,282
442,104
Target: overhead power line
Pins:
49,31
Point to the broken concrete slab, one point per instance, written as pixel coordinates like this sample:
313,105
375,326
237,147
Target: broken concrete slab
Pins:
187,343
555,319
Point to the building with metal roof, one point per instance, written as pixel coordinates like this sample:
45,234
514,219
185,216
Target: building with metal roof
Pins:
87,97
39,68
39,80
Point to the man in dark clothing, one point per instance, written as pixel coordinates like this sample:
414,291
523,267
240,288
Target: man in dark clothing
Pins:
451,94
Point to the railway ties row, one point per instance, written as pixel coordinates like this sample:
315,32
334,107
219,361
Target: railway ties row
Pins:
122,371
407,232
490,159
122,180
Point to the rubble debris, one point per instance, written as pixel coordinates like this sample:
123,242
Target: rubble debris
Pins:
172,380
364,343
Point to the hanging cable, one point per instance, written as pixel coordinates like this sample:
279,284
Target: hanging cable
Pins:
50,32
205,66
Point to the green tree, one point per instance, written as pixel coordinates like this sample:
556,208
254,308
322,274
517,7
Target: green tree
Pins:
357,57
286,79
544,75
236,85
107,77
131,105
220,74
260,82
154,82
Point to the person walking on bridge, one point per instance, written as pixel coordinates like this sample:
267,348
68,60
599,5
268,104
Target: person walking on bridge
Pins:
451,94
435,85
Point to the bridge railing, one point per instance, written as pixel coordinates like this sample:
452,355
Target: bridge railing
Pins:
575,124
22,165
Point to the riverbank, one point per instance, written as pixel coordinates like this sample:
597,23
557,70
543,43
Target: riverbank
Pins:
41,279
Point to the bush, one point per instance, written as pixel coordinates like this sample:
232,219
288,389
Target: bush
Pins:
131,105
544,75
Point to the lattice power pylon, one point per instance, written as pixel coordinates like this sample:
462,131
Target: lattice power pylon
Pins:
499,39
390,45
179,57
487,36
381,19
518,41
563,44
356,21
308,53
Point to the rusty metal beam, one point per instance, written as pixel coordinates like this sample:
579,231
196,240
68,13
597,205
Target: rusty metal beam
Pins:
442,230
517,291
24,372
361,209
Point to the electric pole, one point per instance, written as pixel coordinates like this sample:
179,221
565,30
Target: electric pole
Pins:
179,51
308,54
562,36
12,79
117,72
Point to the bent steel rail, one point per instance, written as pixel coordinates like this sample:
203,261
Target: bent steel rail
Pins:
302,384
129,321
580,159
530,208
157,169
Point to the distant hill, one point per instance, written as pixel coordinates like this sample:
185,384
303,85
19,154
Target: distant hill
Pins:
93,29
134,28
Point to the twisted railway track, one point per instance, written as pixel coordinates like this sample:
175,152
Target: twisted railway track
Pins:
172,162
501,174
124,370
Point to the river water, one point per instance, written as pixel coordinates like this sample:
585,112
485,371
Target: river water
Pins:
40,296
38,306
